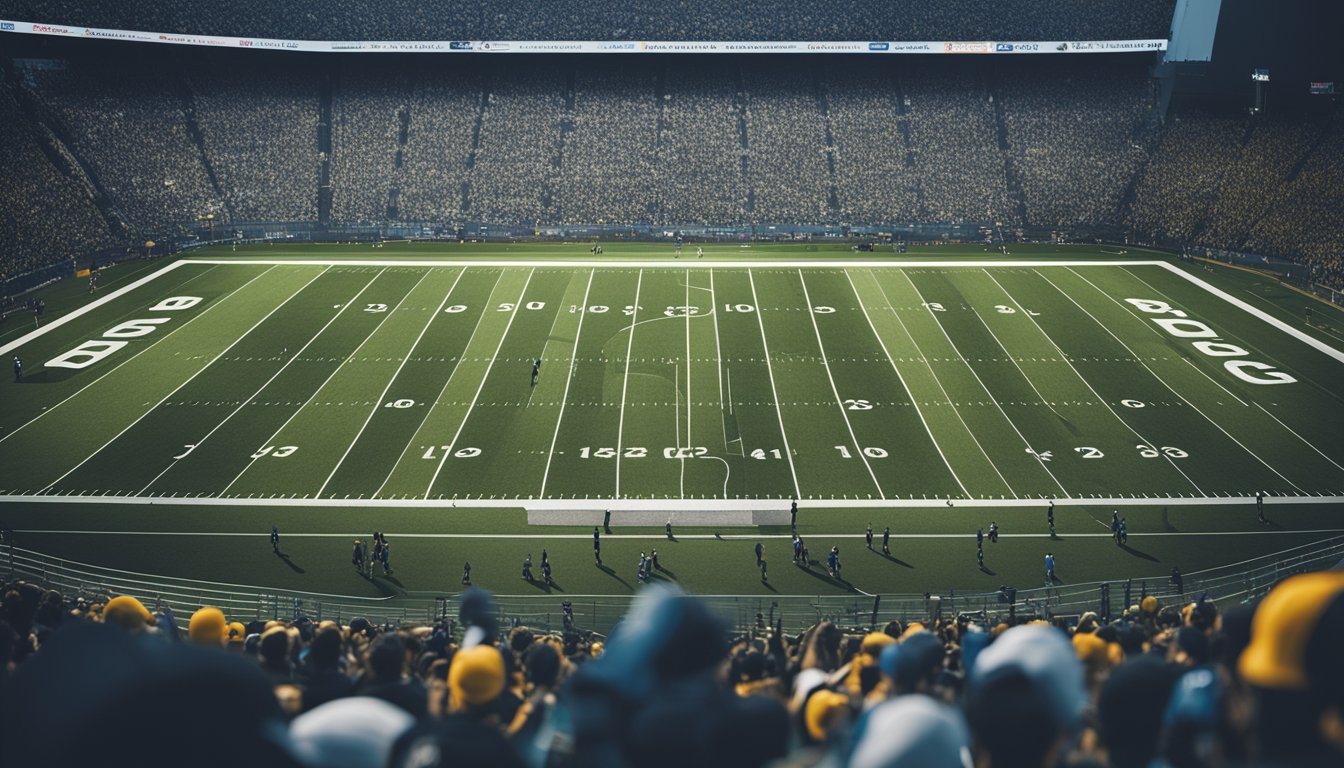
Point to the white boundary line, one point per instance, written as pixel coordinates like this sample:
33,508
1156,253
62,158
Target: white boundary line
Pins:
1079,374
821,347
784,435
189,379
992,398
662,505
87,308
573,359
1299,437
681,265
271,440
1162,381
378,403
658,535
140,352
625,381
911,395
486,377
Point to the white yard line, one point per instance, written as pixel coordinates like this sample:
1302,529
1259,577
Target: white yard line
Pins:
821,346
271,440
625,381
887,353
989,394
718,350
382,397
681,505
247,400
1299,437
87,308
153,344
569,377
788,452
936,380
489,366
1062,356
1162,381
189,379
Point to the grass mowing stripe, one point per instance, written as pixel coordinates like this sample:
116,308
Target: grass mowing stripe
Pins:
906,389
569,378
625,381
188,380
271,440
1026,443
821,346
937,380
1299,437
784,435
272,378
452,444
1165,384
138,353
1063,356
383,396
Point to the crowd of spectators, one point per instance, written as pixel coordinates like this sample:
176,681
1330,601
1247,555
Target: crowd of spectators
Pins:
564,141
46,215
259,128
622,20
1184,685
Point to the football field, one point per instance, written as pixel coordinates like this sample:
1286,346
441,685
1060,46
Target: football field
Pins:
734,380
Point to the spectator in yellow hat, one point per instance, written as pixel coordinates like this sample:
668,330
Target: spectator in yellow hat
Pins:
208,627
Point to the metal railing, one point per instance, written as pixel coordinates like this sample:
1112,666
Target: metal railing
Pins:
1233,583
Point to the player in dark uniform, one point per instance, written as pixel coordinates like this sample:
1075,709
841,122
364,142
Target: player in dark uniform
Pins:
466,572
536,370
1050,517
668,528
545,556
357,557
18,369
1259,495
886,540
797,549
597,545
386,558
653,560
760,553
993,532
527,567
980,546
868,535
546,573
275,539
793,515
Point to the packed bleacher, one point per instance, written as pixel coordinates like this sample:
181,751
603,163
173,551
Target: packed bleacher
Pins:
147,149
88,681
624,20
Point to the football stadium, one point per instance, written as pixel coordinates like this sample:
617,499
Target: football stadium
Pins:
872,383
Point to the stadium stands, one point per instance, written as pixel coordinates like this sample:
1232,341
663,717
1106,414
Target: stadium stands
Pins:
617,20
1254,684
684,142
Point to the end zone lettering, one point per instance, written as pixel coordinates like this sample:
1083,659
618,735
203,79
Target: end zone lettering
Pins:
93,350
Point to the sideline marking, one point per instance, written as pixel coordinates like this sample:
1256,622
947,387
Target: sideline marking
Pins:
87,308
622,505
658,535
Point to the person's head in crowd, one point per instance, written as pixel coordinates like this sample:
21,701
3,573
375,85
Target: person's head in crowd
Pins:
1025,697
274,651
475,679
128,613
826,715
1295,666
913,666
1197,727
1191,648
387,658
354,732
208,627
911,732
1130,708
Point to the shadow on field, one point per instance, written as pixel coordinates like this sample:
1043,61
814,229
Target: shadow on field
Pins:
612,573
826,577
988,570
1139,553
293,566
667,574
895,560
769,586
554,586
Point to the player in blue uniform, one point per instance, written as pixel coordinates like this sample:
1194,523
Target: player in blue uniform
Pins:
18,369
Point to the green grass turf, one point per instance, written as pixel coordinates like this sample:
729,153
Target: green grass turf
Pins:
400,381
